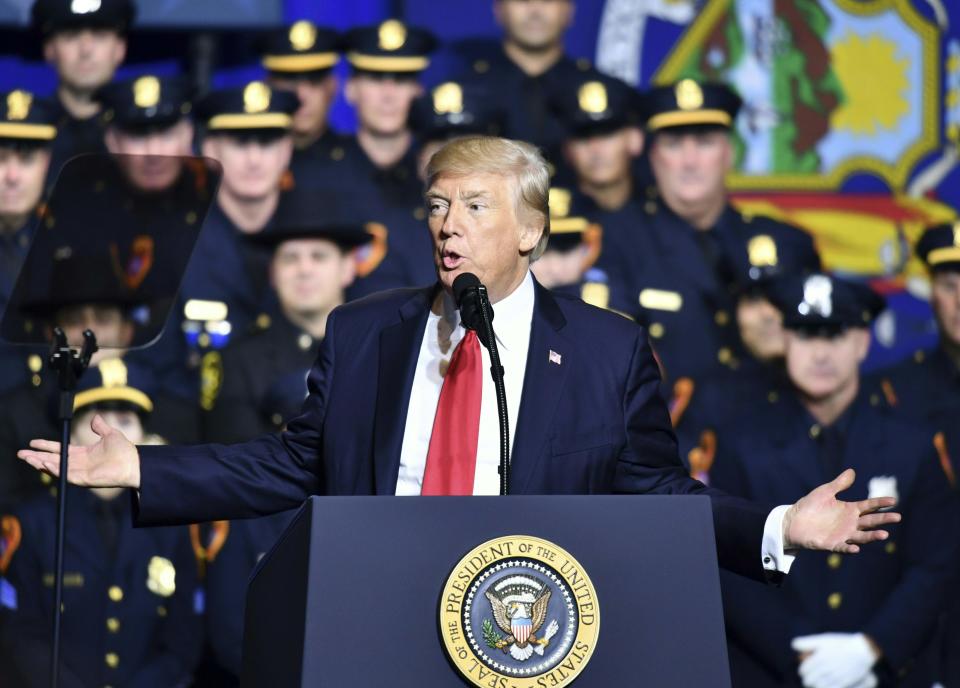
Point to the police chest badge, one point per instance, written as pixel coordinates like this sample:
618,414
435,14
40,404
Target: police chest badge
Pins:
519,612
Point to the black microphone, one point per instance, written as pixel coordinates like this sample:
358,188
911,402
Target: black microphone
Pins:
476,314
469,294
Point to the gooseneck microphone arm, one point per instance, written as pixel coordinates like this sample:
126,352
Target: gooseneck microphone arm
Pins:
476,313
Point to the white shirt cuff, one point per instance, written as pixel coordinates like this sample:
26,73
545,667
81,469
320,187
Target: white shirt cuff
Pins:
772,554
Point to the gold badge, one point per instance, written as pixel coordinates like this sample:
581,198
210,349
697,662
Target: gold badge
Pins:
559,202
596,294
161,577
211,379
256,97
303,35
592,97
392,35
661,300
448,99
497,622
113,372
146,92
689,95
18,105
762,251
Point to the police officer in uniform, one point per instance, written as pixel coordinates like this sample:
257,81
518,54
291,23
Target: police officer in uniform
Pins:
602,121
248,132
128,609
928,383
528,68
264,373
27,132
756,370
378,166
865,620
682,271
567,265
85,42
300,59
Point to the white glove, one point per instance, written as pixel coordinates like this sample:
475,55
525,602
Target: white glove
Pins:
837,660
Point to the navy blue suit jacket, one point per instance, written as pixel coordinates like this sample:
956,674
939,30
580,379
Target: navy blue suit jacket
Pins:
594,424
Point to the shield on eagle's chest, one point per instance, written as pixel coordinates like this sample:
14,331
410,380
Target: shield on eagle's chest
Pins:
521,629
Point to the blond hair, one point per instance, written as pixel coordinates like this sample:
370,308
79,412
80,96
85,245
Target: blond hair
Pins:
491,155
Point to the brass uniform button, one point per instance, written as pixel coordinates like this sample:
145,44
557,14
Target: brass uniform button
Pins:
46,479
919,356
191,218
35,380
113,661
721,318
337,153
890,548
656,330
115,593
161,611
650,207
834,561
814,431
203,340
481,66
834,600
113,624
276,419
772,397
35,363
724,355
304,341
420,213
263,321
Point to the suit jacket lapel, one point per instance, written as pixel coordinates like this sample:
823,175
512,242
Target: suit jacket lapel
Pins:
542,386
399,350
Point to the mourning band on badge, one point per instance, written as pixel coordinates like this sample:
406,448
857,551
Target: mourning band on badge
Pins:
519,612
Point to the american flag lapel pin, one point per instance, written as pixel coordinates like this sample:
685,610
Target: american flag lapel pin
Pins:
554,357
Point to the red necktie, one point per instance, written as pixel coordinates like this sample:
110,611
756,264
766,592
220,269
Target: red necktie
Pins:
452,456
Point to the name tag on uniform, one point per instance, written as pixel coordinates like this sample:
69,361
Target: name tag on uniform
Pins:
70,580
661,300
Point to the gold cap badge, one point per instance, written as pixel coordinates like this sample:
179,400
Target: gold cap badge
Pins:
592,97
762,251
689,95
448,98
113,372
392,35
256,97
559,202
18,105
303,35
146,92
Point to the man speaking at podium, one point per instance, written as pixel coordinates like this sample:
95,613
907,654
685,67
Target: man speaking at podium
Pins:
400,404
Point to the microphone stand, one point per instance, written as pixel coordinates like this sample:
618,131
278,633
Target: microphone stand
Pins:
69,366
496,371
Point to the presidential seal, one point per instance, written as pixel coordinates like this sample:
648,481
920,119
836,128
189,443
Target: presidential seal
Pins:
519,612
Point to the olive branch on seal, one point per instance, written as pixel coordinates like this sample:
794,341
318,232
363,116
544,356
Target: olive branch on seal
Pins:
490,636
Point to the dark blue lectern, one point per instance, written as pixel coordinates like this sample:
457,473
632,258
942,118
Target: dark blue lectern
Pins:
350,594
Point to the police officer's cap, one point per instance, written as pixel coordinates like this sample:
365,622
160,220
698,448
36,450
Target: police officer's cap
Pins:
77,279
145,102
115,384
939,247
255,106
390,47
26,119
823,302
568,227
455,109
766,260
51,16
314,214
596,104
690,103
302,49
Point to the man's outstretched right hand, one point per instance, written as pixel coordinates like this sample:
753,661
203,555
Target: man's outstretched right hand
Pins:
111,462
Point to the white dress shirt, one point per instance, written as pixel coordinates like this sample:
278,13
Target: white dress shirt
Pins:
513,316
